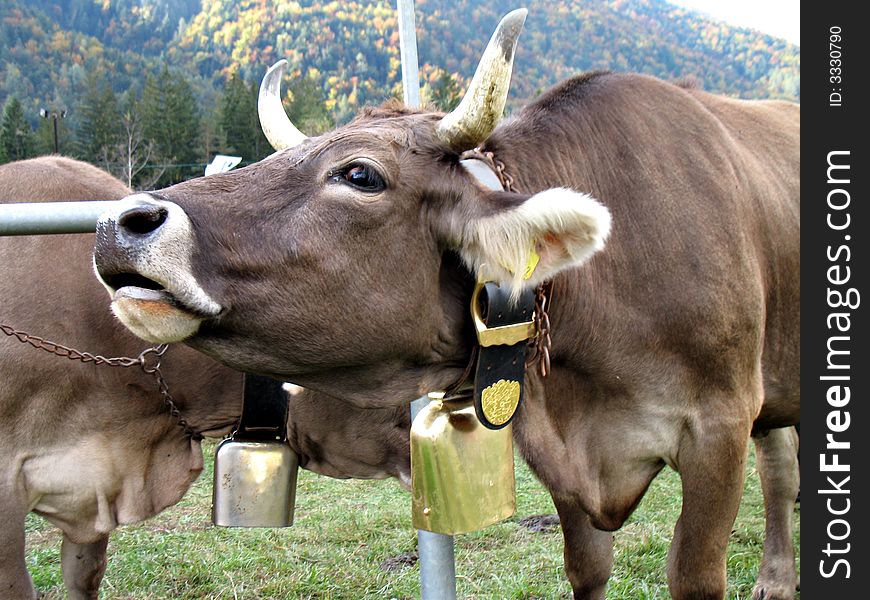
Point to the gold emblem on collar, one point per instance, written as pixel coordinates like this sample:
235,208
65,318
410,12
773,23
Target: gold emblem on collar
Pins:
499,401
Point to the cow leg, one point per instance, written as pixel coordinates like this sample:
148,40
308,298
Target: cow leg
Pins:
711,464
15,582
83,567
780,481
588,551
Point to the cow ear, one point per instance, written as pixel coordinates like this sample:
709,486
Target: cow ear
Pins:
528,239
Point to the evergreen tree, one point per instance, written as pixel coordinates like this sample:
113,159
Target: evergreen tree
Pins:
261,146
240,123
99,119
232,107
16,136
170,119
211,136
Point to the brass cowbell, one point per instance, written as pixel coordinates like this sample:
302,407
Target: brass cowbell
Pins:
255,469
462,473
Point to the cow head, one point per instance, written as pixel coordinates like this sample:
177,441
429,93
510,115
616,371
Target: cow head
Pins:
343,262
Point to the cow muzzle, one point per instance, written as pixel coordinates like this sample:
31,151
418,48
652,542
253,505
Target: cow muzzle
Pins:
142,257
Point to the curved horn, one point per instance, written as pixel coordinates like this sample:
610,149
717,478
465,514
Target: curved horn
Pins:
277,127
482,107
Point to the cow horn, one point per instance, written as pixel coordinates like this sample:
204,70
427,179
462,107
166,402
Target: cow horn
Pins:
482,107
277,127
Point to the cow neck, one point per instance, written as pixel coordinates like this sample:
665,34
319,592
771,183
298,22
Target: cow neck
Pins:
506,330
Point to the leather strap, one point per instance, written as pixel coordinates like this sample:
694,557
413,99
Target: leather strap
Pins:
264,410
500,372
482,172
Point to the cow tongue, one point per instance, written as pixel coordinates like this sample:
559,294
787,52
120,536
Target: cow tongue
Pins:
144,295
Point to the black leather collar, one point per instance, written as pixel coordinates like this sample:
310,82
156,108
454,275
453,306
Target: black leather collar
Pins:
264,410
501,366
503,330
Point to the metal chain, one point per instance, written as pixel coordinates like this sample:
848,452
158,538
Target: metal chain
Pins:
507,182
541,343
148,360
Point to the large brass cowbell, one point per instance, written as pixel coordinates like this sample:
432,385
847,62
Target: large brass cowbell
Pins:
255,469
462,473
462,458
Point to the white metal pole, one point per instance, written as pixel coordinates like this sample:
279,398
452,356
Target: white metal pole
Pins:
408,49
38,218
434,550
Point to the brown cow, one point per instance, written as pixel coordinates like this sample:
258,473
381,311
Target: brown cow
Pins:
346,262
93,447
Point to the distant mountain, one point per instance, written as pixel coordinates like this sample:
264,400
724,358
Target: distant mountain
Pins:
351,48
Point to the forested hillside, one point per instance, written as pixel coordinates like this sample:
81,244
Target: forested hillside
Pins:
345,54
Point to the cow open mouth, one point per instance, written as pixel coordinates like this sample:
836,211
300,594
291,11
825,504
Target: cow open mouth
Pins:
134,283
150,310
122,280
137,287
147,295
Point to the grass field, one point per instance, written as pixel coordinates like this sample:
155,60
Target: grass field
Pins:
345,530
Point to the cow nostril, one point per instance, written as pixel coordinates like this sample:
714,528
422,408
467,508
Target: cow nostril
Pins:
142,219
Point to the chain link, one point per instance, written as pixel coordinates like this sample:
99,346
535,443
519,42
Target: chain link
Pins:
540,344
507,182
148,361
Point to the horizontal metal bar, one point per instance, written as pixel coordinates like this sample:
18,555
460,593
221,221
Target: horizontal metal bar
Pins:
39,218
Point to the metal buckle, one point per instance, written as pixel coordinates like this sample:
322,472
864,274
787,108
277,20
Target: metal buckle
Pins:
496,336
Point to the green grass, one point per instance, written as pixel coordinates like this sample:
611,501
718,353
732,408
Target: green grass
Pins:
344,530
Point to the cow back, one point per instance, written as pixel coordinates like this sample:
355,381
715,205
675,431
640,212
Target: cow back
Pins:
701,270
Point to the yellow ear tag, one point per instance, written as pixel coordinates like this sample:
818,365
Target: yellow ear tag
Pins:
531,263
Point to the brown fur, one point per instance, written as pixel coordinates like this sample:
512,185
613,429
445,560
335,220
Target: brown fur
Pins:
670,347
93,447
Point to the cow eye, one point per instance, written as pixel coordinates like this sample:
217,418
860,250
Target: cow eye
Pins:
361,176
